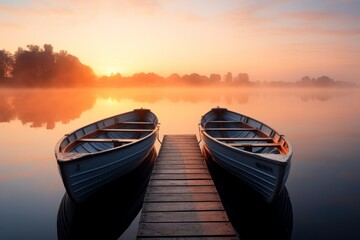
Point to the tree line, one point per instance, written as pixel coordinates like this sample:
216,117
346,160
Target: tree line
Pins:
42,67
154,80
37,66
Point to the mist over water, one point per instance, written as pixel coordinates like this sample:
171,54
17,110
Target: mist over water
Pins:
323,125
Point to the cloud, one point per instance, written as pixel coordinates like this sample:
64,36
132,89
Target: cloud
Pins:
322,22
79,8
315,30
34,10
287,19
114,6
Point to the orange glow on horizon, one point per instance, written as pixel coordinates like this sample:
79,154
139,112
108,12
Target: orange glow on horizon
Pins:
168,37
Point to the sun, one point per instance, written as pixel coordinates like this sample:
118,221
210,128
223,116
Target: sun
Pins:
108,67
109,71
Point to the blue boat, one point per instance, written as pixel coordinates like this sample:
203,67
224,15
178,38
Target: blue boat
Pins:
248,149
101,152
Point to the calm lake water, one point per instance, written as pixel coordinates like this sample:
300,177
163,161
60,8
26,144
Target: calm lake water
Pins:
323,126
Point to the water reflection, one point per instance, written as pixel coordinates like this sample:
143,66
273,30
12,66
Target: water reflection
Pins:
251,216
229,96
192,95
321,95
109,213
45,107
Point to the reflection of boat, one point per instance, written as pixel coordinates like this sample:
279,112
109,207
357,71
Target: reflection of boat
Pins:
247,211
108,213
96,154
249,149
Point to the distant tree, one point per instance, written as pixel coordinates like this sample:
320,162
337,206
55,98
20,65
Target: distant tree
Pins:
37,66
47,61
214,78
324,81
114,80
242,78
146,79
69,71
25,66
195,79
6,63
228,78
34,67
305,81
174,79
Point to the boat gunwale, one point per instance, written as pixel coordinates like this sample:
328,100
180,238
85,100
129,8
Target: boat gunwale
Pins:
66,157
282,158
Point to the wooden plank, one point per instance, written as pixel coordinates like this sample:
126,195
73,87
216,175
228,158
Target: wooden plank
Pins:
169,152
193,152
181,206
189,238
179,155
179,158
180,176
183,140
181,201
177,142
199,216
180,166
181,189
180,147
183,197
181,183
163,161
179,136
179,161
206,229
180,143
173,171
181,152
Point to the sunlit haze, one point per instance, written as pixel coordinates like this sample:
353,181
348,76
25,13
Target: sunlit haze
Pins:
269,40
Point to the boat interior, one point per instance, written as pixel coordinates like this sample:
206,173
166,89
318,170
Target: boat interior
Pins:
110,133
244,133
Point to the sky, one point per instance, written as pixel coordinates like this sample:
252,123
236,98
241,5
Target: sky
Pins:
271,40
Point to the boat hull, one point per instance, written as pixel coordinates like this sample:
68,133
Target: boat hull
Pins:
258,171
109,212
84,177
245,209
85,173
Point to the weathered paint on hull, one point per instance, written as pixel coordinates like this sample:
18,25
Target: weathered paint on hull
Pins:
85,177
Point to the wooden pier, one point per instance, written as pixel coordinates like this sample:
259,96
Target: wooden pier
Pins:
181,201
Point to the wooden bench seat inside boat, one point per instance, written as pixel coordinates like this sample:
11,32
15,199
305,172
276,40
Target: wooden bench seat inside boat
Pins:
245,139
124,130
117,140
